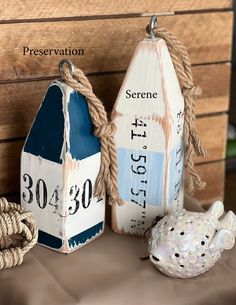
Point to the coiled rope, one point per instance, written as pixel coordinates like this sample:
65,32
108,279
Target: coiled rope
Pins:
18,233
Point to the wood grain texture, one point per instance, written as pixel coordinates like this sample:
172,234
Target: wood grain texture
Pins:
215,83
213,131
10,166
214,175
19,101
108,44
20,9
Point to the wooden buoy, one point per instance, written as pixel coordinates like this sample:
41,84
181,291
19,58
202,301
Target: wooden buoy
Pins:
148,114
59,165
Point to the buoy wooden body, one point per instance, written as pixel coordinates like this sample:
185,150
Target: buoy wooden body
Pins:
149,114
59,165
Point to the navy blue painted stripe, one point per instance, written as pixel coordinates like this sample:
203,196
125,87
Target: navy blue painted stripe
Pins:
83,143
81,238
56,243
49,240
46,136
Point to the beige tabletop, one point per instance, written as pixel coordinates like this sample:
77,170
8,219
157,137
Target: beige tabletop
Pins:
108,271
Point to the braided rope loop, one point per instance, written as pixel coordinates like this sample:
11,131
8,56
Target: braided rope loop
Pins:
105,130
107,178
190,91
18,233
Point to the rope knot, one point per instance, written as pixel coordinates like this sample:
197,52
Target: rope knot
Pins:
107,179
194,91
106,130
18,233
10,223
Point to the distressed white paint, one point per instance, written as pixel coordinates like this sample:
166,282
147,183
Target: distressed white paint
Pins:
57,217
160,136
78,173
49,218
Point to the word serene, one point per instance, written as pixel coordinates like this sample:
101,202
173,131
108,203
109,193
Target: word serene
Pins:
130,94
45,52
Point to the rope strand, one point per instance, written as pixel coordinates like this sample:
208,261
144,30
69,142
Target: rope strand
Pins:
18,233
108,174
105,130
190,91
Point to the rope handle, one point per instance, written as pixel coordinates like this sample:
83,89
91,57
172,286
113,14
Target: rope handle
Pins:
107,178
18,233
191,92
108,174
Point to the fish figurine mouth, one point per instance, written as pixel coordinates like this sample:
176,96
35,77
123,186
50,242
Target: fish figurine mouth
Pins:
159,263
154,259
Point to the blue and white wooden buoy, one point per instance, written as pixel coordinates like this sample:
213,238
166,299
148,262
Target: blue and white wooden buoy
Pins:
59,165
148,114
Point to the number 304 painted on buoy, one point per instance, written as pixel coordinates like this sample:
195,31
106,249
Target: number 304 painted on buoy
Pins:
41,194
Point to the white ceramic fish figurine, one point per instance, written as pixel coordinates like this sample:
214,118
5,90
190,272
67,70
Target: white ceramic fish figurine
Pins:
185,244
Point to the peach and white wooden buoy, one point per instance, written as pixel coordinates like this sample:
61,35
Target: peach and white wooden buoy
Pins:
149,115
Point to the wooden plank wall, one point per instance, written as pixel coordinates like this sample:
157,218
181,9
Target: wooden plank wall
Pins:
108,31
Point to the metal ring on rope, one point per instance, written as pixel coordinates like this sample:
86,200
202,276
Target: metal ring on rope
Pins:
151,27
68,63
